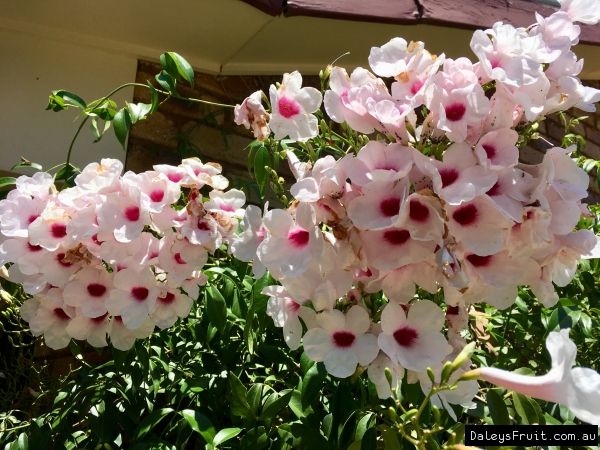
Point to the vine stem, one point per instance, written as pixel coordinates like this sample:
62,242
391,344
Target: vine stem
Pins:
106,97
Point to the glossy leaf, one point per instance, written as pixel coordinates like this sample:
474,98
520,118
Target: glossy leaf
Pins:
7,181
27,164
272,409
498,409
151,421
261,160
312,383
239,401
216,308
121,124
225,434
200,424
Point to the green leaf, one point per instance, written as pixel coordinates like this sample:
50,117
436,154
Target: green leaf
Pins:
261,160
153,98
563,317
150,421
183,67
498,410
138,111
63,99
7,181
390,438
216,308
225,435
270,411
121,124
27,164
369,440
525,409
312,384
239,402
166,81
23,442
368,421
200,424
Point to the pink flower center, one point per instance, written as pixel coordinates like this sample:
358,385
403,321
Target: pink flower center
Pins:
495,190
60,314
175,177
33,248
260,234
416,87
95,239
32,218
292,305
96,289
495,62
449,176
139,293
132,213
167,299
59,258
479,261
177,257
452,310
157,196
490,150
405,336
343,339
466,215
390,207
118,319
98,320
227,208
288,108
418,211
58,230
298,238
455,111
396,237
202,225
153,255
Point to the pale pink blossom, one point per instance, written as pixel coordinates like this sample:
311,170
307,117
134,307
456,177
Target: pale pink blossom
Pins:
37,186
246,243
49,230
19,211
378,161
26,256
51,320
179,257
496,150
89,290
291,244
123,338
293,107
327,178
413,340
578,388
377,376
57,269
457,178
287,312
478,225
198,174
422,216
584,11
251,113
170,305
123,216
134,297
379,206
399,284
93,330
341,341
173,173
103,178
230,202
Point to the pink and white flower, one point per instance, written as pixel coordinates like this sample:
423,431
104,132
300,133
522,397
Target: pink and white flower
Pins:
170,306
379,206
291,244
89,290
293,108
123,338
341,341
251,113
415,340
378,161
134,297
93,330
286,314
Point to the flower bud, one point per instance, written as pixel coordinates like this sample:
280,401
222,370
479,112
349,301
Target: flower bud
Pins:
463,356
446,372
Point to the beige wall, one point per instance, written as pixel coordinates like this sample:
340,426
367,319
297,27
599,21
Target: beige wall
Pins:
32,67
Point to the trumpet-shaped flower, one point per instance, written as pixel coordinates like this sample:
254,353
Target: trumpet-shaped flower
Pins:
93,330
413,340
577,388
379,206
252,114
134,297
89,290
293,108
341,341
378,161
291,244
123,338
170,305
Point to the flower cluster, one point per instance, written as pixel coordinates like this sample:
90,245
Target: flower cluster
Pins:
114,255
440,200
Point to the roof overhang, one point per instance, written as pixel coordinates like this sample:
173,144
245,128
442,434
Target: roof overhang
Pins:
232,37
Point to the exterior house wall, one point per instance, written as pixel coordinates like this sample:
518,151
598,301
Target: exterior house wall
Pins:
32,67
